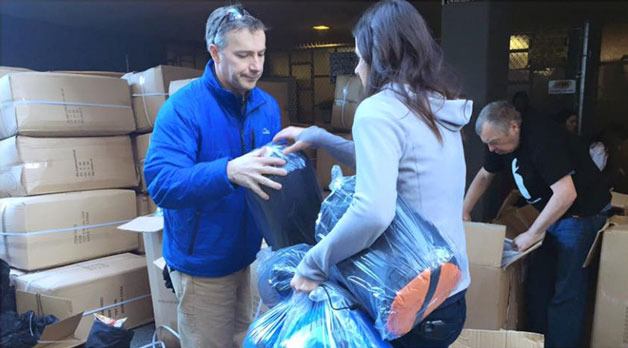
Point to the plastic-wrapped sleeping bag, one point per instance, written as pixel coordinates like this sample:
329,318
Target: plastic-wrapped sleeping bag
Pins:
326,318
289,216
404,275
275,270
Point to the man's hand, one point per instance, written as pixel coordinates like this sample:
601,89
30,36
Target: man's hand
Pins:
291,134
248,171
527,239
302,284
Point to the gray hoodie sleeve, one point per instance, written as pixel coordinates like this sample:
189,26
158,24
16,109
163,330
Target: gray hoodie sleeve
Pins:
338,147
378,149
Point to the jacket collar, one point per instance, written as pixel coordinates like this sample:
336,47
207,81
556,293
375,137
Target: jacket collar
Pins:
228,99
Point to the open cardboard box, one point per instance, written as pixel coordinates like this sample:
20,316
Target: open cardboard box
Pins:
470,338
115,286
164,300
495,296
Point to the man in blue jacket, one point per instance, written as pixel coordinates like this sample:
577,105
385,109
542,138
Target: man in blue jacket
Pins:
202,157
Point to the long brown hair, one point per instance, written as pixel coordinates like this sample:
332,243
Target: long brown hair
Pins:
395,42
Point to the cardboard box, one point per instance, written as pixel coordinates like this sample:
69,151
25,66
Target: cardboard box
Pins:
619,203
517,219
4,70
324,163
150,90
53,104
610,320
349,94
140,147
284,92
145,206
115,286
114,74
498,339
175,86
32,166
495,296
58,229
282,89
164,301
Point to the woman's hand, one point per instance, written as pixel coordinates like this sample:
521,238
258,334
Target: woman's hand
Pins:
302,284
291,134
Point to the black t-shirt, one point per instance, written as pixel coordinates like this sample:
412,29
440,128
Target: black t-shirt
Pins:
546,154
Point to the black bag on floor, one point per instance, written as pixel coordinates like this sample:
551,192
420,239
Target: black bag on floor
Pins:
7,292
22,331
102,335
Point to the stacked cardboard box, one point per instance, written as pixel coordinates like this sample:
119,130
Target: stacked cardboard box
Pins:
140,148
65,160
53,104
34,166
150,90
349,94
43,229
4,70
115,286
50,175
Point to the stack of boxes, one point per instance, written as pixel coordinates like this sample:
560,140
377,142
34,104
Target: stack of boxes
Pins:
66,174
349,93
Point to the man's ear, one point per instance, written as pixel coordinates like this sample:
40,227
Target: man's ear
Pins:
514,127
213,52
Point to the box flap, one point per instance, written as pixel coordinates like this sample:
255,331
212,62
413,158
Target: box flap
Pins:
176,85
61,333
485,243
511,256
470,338
148,224
615,222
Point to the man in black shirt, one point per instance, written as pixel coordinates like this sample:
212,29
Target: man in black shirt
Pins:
554,172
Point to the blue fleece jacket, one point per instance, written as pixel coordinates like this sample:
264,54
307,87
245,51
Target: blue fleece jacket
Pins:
208,230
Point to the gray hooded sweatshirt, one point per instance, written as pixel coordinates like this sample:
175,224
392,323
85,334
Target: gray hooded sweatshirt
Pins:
395,153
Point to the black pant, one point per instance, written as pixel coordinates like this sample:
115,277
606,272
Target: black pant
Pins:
440,328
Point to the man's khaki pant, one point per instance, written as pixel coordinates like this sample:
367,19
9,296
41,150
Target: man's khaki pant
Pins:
213,312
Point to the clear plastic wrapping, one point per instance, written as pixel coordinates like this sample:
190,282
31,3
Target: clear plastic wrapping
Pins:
289,216
327,317
404,275
275,270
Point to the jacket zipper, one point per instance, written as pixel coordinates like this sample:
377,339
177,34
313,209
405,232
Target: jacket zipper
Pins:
194,232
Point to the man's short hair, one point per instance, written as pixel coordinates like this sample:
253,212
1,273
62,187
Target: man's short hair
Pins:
226,19
500,114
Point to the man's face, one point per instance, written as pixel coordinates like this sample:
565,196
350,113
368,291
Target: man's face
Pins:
571,124
241,62
499,141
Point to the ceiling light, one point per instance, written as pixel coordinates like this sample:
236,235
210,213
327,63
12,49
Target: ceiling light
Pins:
320,27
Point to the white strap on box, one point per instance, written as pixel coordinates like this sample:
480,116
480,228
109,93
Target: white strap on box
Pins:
66,229
10,103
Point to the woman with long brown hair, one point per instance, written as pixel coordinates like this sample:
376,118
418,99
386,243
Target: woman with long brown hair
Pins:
407,143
